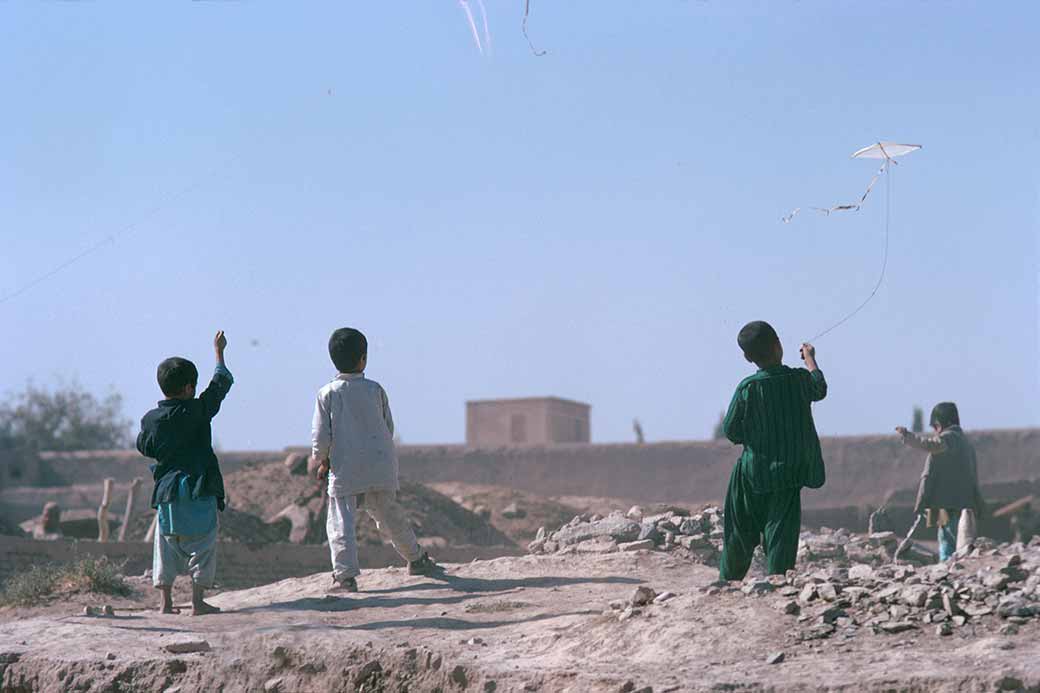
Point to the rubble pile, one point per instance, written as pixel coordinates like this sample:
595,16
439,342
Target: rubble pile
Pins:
842,547
696,535
987,588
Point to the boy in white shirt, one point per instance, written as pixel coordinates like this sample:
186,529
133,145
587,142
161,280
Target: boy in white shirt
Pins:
352,442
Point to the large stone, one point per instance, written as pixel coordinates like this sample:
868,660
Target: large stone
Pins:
996,581
757,587
597,545
642,596
861,571
513,512
296,463
914,595
299,518
636,545
898,626
187,646
615,527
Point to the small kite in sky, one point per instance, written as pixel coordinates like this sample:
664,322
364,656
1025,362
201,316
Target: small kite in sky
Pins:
882,150
887,151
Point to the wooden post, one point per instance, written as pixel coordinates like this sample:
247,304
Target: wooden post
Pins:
150,536
102,513
128,513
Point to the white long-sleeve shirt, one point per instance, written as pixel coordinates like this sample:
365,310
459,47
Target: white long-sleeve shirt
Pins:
353,428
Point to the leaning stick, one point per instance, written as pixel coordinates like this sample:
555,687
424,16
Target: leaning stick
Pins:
130,497
102,513
905,544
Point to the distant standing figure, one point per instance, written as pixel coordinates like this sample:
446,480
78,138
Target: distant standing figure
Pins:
949,485
352,442
637,428
771,416
189,488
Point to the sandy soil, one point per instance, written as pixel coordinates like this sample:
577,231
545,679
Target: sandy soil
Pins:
536,623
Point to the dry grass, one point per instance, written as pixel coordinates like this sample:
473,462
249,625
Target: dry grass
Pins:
39,583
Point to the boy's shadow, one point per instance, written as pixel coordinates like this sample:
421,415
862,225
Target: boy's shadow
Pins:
468,588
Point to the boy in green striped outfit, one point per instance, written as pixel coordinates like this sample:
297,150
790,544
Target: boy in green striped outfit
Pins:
771,416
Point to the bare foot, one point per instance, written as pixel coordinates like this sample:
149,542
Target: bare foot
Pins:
203,609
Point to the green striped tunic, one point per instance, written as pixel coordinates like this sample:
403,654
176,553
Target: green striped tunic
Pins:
771,416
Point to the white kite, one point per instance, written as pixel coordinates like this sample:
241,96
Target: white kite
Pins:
888,151
882,150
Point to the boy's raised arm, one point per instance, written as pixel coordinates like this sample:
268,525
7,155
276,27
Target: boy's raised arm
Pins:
817,383
222,380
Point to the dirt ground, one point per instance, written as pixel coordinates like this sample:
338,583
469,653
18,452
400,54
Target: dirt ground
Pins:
535,623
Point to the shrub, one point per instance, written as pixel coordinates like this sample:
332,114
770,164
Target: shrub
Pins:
87,575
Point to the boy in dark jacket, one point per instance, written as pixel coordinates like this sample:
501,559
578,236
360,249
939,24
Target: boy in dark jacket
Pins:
189,488
949,487
771,416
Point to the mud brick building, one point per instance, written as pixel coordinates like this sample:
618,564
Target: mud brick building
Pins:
526,421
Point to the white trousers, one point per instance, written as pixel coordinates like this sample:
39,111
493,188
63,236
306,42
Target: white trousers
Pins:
390,519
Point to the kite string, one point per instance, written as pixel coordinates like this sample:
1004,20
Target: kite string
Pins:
523,28
884,262
112,237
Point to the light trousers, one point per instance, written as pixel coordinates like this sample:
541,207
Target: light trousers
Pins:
175,555
390,519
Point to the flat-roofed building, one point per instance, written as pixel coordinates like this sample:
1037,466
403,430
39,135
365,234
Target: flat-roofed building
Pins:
526,421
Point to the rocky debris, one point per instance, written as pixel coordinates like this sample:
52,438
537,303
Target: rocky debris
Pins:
513,511
299,518
775,658
991,586
97,611
296,463
642,596
697,535
187,646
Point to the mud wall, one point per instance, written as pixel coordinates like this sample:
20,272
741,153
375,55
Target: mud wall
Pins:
238,565
860,470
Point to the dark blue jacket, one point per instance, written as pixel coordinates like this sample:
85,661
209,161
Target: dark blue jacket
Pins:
177,435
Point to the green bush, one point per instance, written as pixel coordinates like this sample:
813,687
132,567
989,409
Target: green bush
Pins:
87,575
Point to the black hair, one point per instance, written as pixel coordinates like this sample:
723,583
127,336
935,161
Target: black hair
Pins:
945,414
174,374
757,339
347,347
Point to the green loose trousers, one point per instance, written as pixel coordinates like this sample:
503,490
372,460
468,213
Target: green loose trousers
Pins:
748,517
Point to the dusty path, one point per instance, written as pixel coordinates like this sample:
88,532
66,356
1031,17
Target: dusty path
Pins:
512,624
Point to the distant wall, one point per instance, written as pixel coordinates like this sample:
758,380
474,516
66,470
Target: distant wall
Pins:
238,565
860,470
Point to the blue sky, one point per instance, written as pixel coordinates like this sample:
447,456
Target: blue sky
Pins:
596,223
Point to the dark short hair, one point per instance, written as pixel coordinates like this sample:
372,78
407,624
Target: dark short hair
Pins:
757,340
347,347
175,373
945,414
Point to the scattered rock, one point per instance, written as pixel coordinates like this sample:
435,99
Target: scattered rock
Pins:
296,463
635,513
897,626
775,658
187,646
459,676
273,685
663,597
645,544
642,596
944,629
513,512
